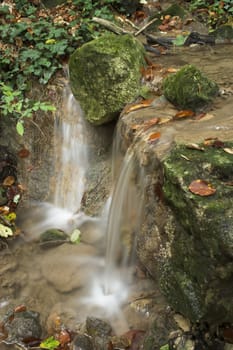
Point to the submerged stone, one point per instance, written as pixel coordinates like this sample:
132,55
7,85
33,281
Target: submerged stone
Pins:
105,75
53,235
189,88
196,266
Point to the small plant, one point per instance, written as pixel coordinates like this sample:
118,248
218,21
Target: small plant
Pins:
50,343
13,104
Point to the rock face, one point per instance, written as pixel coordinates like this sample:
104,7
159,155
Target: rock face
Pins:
189,88
196,270
105,75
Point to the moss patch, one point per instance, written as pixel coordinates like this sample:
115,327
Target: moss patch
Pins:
189,88
196,275
105,75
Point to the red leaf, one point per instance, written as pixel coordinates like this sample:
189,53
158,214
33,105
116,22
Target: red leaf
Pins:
201,188
20,308
23,153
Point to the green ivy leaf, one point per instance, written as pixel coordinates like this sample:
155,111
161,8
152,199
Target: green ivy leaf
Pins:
20,127
179,41
50,343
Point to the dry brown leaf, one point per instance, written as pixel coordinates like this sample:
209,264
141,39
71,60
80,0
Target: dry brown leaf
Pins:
201,188
23,153
142,104
184,114
9,181
213,142
149,123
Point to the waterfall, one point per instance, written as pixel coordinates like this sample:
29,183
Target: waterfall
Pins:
72,157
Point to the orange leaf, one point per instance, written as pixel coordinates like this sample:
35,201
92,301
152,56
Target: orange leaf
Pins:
201,188
149,123
20,308
172,70
184,114
9,181
154,137
142,104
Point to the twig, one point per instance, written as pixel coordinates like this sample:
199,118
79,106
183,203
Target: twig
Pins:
110,26
145,26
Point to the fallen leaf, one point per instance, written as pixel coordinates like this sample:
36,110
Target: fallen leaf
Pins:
20,308
172,70
149,123
142,104
184,114
214,142
195,146
228,150
64,337
154,137
228,335
23,153
201,188
5,231
186,158
9,181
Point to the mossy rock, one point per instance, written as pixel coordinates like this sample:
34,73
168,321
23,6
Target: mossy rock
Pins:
53,235
224,32
105,75
189,88
175,10
196,273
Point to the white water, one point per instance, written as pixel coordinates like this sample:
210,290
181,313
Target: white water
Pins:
72,156
108,278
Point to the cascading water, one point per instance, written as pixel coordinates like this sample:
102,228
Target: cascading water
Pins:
106,284
72,157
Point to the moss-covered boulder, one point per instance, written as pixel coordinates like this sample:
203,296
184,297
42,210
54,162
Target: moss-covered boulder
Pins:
223,33
189,88
196,261
105,75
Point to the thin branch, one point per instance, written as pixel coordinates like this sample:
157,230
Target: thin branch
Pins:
110,26
145,26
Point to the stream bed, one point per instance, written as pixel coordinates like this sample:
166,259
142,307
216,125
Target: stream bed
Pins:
60,279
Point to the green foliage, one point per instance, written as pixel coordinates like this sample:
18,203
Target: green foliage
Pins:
13,104
50,343
218,11
35,46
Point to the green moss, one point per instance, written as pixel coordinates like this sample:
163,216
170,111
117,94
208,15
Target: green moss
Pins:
198,270
189,88
105,75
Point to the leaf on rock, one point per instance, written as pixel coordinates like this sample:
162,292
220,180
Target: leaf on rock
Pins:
195,146
228,150
201,188
75,236
50,343
142,104
9,181
184,114
134,338
154,137
5,231
149,123
23,153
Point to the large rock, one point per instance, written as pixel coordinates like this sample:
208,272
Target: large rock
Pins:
196,270
189,88
105,75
